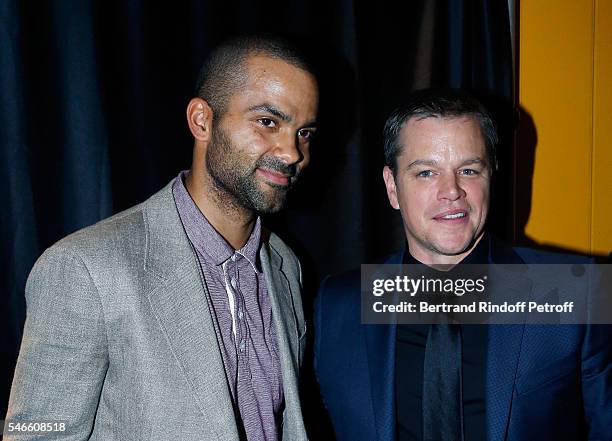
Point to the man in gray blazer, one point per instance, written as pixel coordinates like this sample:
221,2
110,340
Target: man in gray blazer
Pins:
181,318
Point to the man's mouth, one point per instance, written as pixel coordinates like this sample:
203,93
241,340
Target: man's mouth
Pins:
453,216
275,177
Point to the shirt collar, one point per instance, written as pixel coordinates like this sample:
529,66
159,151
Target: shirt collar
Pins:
250,250
204,237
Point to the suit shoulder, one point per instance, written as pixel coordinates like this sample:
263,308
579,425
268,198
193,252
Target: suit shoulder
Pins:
105,234
75,261
111,243
350,281
539,256
340,291
120,230
342,283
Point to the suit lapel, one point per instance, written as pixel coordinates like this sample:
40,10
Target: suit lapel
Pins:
502,358
180,306
380,343
504,344
181,309
380,346
286,328
282,304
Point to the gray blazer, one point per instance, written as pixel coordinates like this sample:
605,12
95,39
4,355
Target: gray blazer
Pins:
119,341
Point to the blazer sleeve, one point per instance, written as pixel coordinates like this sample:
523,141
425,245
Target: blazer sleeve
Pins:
63,357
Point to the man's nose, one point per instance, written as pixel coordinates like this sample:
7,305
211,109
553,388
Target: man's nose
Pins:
287,148
450,188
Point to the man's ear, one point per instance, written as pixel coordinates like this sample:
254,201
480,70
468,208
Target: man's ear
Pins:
391,188
199,118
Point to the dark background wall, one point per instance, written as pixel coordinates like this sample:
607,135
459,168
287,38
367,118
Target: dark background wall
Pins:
93,97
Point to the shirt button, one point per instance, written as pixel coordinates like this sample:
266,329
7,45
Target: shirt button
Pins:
233,282
240,315
234,257
242,345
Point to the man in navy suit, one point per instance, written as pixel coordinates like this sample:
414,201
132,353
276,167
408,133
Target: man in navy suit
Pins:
496,382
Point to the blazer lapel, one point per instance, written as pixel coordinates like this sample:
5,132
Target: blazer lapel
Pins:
380,345
286,328
180,306
504,344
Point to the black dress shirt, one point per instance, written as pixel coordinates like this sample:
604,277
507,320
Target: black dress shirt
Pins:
409,357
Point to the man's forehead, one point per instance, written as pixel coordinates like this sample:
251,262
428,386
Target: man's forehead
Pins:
274,83
417,124
434,134
262,66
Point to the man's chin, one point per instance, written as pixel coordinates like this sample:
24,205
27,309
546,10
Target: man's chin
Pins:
270,205
457,247
453,248
263,197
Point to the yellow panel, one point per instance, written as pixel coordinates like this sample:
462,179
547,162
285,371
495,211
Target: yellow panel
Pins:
555,88
601,237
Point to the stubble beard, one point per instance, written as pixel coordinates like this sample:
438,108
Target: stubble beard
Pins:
234,178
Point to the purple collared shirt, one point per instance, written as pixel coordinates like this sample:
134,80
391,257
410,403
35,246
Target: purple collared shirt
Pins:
239,301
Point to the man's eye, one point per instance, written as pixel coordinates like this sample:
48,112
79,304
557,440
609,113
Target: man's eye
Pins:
425,174
469,172
305,134
266,122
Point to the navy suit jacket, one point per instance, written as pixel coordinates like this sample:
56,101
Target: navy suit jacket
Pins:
543,382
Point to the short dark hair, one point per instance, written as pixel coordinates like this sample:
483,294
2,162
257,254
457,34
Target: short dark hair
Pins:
438,103
223,72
